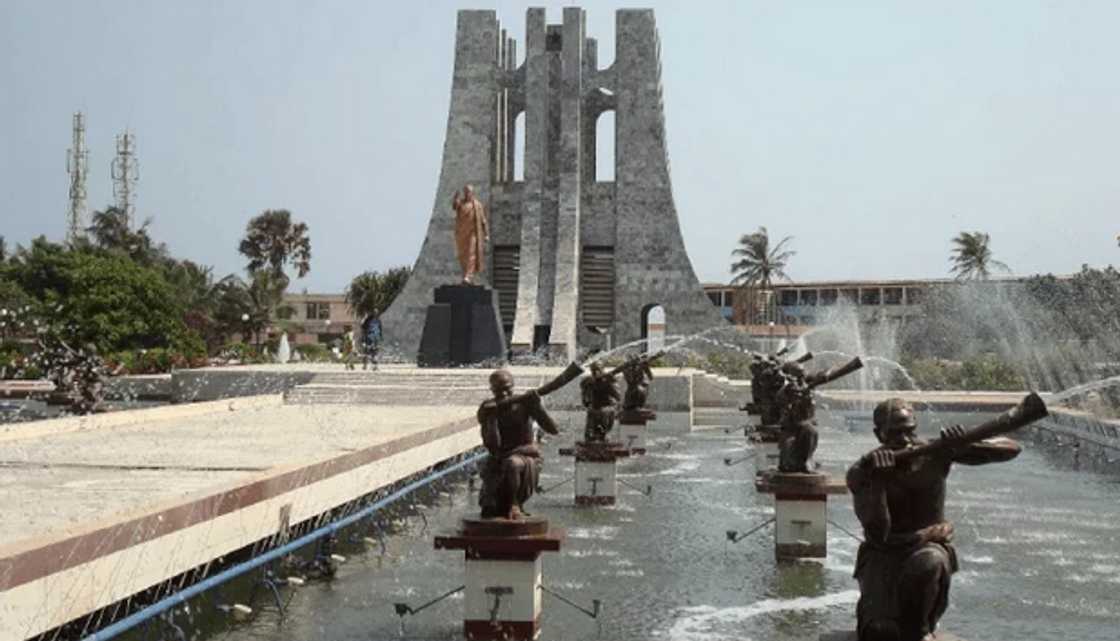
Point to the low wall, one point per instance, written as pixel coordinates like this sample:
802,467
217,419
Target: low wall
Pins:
154,387
1084,426
671,393
193,385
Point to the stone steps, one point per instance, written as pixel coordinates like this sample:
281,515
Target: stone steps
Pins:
718,416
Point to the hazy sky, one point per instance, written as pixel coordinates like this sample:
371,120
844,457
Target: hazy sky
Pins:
871,133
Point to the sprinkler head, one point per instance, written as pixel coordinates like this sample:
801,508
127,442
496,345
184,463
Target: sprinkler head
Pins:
731,535
402,609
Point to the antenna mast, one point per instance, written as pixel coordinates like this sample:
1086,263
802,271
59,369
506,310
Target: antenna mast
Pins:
76,163
125,171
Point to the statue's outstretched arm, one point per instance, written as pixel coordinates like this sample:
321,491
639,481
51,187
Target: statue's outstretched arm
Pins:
994,450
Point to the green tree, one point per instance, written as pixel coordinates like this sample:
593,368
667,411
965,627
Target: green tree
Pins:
972,257
273,241
372,292
109,230
756,263
247,307
107,300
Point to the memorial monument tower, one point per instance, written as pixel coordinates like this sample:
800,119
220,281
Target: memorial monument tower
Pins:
572,260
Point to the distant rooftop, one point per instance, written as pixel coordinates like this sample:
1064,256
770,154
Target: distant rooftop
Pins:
887,282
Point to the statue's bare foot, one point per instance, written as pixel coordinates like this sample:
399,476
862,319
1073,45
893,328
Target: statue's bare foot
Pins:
514,513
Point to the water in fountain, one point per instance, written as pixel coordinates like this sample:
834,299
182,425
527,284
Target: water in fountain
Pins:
663,576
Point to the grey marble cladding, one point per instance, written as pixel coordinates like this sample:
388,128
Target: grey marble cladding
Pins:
558,208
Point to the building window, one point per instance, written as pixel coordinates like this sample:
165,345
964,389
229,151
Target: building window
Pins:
869,296
728,298
892,295
714,297
789,298
808,297
318,311
828,296
850,296
915,295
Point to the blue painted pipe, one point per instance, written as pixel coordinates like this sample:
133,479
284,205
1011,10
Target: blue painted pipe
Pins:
181,597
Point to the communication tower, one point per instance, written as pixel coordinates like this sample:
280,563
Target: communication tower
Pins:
125,171
76,165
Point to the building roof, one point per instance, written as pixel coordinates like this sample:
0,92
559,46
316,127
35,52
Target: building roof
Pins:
901,282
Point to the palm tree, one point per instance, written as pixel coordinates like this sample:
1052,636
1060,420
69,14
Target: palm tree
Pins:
972,257
109,230
247,308
272,240
758,264
372,292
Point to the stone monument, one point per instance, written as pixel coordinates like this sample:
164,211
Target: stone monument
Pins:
573,262
906,562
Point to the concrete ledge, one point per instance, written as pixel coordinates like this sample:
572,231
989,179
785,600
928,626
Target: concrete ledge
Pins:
1082,425
948,401
193,385
153,387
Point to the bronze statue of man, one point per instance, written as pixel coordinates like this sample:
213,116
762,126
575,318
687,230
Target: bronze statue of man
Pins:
797,440
638,375
472,231
766,380
511,471
599,392
906,561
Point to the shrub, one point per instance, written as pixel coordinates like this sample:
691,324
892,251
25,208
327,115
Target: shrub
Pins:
313,352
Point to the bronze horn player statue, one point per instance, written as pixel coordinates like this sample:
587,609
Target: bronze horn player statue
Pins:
798,437
907,560
512,469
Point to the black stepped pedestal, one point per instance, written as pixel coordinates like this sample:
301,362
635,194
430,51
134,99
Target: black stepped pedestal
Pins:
462,328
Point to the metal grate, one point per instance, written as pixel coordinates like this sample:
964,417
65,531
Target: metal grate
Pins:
506,261
596,286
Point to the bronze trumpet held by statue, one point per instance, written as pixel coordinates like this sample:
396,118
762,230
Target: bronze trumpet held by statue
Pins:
829,375
634,360
570,373
1029,410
